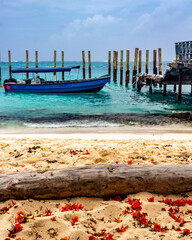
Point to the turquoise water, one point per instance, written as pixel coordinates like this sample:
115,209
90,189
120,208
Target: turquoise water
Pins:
65,109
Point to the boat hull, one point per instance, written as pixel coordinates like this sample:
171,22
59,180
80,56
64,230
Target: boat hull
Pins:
74,86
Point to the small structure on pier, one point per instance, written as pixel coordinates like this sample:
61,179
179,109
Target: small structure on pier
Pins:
179,73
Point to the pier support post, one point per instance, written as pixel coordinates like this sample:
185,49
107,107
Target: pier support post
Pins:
150,87
160,61
36,59
147,62
113,65
127,69
116,64
9,56
109,62
164,89
135,68
55,60
154,62
83,63
121,68
89,63
62,64
0,66
180,82
27,63
174,88
140,60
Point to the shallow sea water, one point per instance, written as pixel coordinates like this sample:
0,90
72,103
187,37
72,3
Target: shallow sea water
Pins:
64,110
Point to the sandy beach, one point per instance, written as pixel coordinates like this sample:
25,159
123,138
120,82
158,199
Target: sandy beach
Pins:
120,218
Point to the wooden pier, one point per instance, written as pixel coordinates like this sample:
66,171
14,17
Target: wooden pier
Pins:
178,74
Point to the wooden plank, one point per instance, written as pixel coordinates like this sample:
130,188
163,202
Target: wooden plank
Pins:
154,62
36,59
55,60
127,69
135,67
89,63
9,56
113,65
116,64
83,63
109,62
160,61
27,63
140,60
121,68
96,181
62,64
147,62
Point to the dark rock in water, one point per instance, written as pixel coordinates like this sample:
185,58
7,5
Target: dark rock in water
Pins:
183,115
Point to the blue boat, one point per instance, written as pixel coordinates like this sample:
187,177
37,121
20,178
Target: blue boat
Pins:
40,85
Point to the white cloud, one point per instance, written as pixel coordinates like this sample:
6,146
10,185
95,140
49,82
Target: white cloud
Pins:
88,26
165,16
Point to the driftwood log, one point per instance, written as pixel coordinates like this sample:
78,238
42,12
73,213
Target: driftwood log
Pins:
96,181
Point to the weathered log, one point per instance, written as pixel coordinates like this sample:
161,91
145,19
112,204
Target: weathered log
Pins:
96,181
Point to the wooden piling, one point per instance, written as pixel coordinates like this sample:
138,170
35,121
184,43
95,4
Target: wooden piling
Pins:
109,62
175,88
154,62
114,65
27,63
164,89
150,87
115,61
62,64
135,67
83,63
147,62
180,83
9,56
0,66
36,59
160,61
55,60
121,68
147,66
140,59
89,60
127,69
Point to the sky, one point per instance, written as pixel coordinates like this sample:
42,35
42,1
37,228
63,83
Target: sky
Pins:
96,25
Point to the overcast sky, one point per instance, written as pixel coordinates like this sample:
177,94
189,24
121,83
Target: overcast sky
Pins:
96,25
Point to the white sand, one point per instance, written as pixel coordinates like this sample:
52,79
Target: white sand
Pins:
154,145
